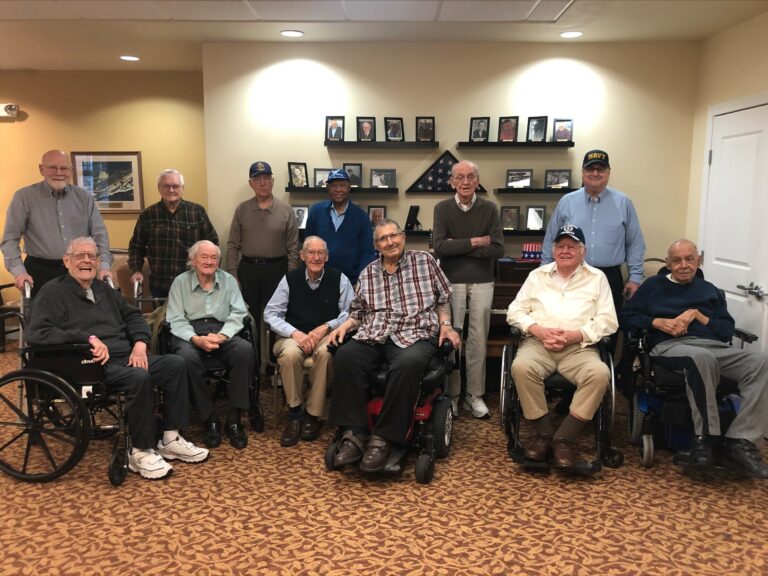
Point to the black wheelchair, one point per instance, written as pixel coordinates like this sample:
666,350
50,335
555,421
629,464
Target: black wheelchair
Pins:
432,425
511,413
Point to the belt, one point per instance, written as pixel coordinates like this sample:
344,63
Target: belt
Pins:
261,260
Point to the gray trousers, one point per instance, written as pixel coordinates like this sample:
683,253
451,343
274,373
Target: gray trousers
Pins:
703,362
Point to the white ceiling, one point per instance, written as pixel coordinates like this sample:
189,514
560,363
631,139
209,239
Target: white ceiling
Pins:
168,34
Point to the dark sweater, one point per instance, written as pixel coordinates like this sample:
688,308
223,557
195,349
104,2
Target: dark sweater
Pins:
307,308
659,297
452,232
62,314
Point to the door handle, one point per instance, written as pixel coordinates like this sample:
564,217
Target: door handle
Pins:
753,289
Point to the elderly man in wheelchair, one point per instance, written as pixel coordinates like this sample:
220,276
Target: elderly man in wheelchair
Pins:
76,308
563,310
402,313
689,329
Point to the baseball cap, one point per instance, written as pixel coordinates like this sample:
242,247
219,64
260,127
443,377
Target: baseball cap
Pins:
259,168
594,157
337,174
572,232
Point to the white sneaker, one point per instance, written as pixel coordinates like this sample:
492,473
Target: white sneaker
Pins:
181,449
149,464
476,405
455,407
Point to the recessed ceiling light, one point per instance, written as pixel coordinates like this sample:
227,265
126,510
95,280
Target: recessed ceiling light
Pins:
573,34
130,58
292,33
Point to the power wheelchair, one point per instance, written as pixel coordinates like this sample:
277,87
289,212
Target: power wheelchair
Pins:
511,413
432,425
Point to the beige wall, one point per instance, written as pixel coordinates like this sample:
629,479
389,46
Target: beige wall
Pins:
159,114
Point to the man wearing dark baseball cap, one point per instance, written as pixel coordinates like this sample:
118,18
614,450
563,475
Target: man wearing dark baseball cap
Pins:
610,226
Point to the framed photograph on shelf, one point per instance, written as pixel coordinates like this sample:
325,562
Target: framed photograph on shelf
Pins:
383,178
376,214
520,178
394,129
510,217
355,172
534,217
334,128
366,129
114,179
478,128
562,130
297,174
508,128
320,175
537,129
301,213
425,128
557,178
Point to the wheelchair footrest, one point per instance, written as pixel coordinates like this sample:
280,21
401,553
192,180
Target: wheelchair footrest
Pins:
396,461
682,459
580,467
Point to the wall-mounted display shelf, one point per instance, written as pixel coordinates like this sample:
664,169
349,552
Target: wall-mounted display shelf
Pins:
379,145
534,190
528,233
417,233
355,189
515,144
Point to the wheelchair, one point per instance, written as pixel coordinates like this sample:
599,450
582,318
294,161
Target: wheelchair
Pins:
432,425
511,412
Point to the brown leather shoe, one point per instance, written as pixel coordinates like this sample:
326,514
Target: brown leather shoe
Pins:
310,428
539,448
375,457
562,454
291,433
350,449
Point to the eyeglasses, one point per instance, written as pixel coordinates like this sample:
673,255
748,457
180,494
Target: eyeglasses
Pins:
171,186
53,168
388,237
460,178
601,169
315,253
83,255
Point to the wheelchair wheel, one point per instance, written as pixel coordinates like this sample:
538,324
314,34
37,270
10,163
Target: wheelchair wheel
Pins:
646,451
256,417
635,420
425,468
118,466
442,426
44,426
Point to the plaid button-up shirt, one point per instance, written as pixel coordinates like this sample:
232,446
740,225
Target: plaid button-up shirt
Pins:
401,305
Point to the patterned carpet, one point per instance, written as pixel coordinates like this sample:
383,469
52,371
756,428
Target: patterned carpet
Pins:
272,510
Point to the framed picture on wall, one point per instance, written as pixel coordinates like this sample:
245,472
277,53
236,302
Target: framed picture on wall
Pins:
320,175
383,178
297,174
557,178
478,128
510,217
301,213
394,129
114,179
366,129
376,214
537,129
425,128
355,172
520,178
534,217
562,130
334,128
508,128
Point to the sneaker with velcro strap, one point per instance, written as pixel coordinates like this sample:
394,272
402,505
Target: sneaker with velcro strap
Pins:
149,464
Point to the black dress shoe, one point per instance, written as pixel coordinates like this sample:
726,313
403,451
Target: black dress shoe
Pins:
539,448
700,455
562,454
236,435
375,457
291,433
745,456
350,449
310,428
212,435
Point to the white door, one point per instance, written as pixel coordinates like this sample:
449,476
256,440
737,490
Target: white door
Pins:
734,237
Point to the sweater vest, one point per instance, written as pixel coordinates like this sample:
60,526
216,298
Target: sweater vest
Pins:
307,308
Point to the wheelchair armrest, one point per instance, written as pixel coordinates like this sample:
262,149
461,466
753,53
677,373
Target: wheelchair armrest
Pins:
745,335
332,348
515,333
57,348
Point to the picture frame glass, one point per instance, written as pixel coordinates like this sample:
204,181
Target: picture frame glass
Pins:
320,174
478,129
301,213
562,130
520,178
394,129
425,129
355,171
510,217
534,219
297,174
113,178
383,178
537,129
557,178
366,129
376,214
334,128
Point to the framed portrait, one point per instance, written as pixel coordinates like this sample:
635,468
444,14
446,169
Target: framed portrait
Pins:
297,174
301,213
114,179
376,214
520,178
355,172
510,217
478,128
508,128
334,128
383,178
394,129
425,128
534,217
366,129
562,130
537,129
320,174
557,178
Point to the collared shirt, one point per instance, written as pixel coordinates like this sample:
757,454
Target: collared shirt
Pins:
611,230
188,301
49,221
401,305
465,207
276,308
583,301
165,238
338,217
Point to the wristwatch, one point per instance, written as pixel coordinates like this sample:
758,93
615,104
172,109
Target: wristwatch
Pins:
445,323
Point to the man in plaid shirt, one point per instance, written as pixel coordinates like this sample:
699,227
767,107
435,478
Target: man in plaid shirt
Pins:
402,312
165,232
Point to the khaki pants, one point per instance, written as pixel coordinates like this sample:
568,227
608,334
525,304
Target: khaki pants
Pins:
580,366
290,358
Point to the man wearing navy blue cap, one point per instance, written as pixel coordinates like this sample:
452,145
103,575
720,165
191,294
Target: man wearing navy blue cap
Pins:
344,226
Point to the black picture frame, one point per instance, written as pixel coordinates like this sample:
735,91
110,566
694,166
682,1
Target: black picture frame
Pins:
376,214
355,171
537,129
520,178
510,217
425,128
319,176
383,178
297,175
535,217
558,178
478,128
562,130
394,129
338,134
362,136
301,213
508,134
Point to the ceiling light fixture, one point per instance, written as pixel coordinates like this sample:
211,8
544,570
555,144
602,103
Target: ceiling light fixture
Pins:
130,58
291,33
570,35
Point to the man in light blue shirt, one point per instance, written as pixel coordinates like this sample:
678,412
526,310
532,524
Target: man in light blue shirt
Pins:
610,224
